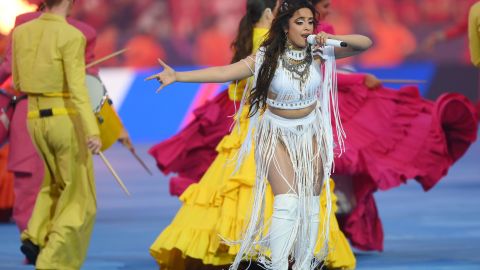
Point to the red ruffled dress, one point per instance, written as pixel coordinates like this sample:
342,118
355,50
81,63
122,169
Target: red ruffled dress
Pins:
394,136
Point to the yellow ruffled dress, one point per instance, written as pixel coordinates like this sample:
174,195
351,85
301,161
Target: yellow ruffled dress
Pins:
218,206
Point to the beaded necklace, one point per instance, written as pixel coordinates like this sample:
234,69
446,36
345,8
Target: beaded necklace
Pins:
297,62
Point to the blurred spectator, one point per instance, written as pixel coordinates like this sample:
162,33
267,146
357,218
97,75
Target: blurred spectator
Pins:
142,52
339,19
155,22
409,12
393,41
107,44
124,17
453,31
35,2
185,17
200,31
3,45
96,13
436,10
212,48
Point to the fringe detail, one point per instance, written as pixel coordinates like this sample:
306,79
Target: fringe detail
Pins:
301,137
247,144
329,96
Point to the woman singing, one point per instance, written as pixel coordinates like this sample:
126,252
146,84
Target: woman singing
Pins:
291,106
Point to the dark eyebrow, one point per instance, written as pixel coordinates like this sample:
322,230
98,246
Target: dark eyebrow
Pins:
309,18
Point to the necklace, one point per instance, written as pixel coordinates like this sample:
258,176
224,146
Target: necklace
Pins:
296,54
297,62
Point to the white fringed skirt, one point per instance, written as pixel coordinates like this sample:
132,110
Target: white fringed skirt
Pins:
306,142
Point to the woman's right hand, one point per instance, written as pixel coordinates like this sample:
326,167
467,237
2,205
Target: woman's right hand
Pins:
371,81
166,77
94,144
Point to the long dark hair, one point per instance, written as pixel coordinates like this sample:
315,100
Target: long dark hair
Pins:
51,3
315,2
275,46
243,43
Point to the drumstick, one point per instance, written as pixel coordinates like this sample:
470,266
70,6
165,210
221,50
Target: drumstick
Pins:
128,144
132,150
115,175
103,59
402,81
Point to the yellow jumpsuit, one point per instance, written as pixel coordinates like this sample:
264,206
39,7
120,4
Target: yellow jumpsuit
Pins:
49,66
219,206
474,33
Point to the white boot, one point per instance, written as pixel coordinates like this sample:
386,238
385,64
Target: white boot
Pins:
312,240
282,229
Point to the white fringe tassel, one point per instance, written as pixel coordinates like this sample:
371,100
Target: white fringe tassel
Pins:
300,137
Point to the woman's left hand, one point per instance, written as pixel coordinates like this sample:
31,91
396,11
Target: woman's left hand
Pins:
322,37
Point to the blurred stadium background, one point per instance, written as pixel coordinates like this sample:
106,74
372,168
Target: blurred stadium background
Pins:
193,33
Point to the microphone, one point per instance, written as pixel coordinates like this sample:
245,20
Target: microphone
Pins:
311,39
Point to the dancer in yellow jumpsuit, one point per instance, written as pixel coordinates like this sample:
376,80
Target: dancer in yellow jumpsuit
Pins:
49,66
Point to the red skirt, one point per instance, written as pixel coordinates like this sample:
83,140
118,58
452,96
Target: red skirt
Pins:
392,136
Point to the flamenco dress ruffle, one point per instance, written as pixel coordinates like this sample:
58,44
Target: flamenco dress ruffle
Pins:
190,152
218,207
393,136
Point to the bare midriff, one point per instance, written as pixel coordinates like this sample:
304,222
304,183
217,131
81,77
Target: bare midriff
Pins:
292,114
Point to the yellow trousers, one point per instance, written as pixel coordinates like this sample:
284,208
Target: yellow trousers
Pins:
65,209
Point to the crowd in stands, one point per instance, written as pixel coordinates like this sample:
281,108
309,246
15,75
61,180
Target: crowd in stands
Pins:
199,32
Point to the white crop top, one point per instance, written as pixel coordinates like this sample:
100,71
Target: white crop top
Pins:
292,89
287,89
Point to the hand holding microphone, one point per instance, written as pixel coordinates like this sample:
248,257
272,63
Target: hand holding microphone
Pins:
313,40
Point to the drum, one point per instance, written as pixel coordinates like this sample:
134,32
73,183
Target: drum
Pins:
6,113
108,120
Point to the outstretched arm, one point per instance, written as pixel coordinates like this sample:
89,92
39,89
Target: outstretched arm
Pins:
236,71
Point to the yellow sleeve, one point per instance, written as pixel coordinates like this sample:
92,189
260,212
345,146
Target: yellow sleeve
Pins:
73,54
474,34
477,24
16,82
476,61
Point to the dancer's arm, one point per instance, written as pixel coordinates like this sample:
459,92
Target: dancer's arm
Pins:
356,44
73,57
236,71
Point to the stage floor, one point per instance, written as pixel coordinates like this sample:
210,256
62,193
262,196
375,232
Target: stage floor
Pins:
435,230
